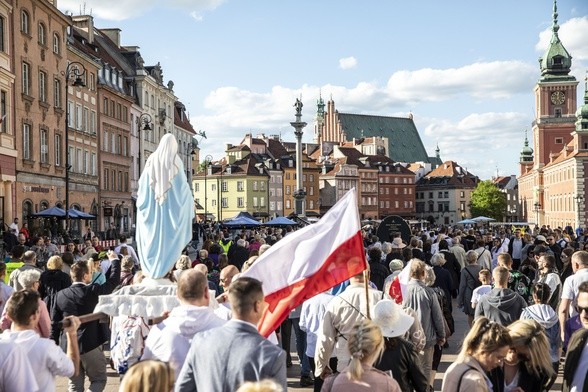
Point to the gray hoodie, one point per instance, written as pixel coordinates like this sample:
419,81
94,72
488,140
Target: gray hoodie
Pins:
547,317
501,305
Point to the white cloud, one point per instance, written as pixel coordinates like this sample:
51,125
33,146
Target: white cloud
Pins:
479,141
120,10
572,34
347,62
481,80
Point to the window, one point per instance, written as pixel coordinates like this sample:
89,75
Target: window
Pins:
224,186
86,120
80,160
120,179
262,186
197,189
57,93
240,202
93,164
125,146
287,189
57,150
106,177
287,203
26,141
42,86
79,118
559,140
224,202
105,141
71,156
240,186
26,78
44,147
262,201
557,112
2,34
56,46
24,22
3,110
41,34
86,164
254,185
93,122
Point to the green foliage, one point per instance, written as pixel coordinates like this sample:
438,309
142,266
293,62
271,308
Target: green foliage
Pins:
487,200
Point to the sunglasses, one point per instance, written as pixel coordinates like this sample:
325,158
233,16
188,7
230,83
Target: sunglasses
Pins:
581,309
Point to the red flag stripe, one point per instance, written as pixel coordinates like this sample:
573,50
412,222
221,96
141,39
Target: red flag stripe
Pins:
346,261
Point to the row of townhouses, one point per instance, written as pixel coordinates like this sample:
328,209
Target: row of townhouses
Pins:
80,115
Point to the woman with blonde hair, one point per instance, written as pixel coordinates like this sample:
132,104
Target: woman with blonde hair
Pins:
52,281
183,263
527,364
484,348
149,375
260,386
365,345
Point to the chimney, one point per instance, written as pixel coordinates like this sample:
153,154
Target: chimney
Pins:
113,34
228,146
85,23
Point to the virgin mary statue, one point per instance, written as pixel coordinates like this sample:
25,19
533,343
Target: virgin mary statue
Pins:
165,210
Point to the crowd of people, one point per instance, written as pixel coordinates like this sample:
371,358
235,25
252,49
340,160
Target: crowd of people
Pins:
525,295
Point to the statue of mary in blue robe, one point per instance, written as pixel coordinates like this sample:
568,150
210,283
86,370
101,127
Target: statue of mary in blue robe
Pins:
165,210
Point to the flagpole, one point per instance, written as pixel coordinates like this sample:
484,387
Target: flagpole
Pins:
366,282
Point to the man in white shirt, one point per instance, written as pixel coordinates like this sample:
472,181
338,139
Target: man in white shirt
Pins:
170,340
46,358
569,293
16,374
130,249
14,226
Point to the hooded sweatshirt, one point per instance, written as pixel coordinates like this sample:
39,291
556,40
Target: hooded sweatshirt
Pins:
547,317
170,340
46,358
501,305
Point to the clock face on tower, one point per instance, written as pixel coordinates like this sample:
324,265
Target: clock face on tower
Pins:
558,97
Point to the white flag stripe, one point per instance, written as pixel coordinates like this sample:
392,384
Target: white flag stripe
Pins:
302,253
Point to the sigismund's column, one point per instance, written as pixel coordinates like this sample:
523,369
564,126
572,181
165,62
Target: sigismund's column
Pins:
299,193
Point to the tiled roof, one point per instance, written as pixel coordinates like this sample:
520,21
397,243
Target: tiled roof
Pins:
181,119
449,173
404,141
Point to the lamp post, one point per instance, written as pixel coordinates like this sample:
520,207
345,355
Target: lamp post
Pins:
580,202
74,71
537,207
144,120
207,160
299,194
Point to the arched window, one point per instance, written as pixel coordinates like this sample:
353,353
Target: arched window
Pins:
56,43
24,22
42,34
27,210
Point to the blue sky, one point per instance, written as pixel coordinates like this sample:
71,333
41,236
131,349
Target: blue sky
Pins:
464,69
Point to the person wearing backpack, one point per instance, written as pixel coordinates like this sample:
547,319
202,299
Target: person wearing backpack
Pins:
468,283
548,276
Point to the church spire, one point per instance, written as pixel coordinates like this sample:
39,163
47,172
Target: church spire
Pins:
526,152
556,62
438,152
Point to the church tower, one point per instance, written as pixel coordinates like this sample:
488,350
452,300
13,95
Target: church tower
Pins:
555,99
526,161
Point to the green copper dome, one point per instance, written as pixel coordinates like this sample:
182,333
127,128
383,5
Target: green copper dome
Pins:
556,62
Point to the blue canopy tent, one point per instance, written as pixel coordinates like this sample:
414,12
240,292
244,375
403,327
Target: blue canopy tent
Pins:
76,214
241,221
280,221
52,212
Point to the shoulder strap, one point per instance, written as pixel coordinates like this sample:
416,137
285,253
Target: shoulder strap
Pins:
461,377
469,273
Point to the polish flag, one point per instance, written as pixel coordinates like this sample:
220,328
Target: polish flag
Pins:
310,261
398,286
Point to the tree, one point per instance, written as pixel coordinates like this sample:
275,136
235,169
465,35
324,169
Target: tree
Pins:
487,200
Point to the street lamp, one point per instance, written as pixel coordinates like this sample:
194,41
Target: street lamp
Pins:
143,123
537,206
207,161
580,202
74,71
299,194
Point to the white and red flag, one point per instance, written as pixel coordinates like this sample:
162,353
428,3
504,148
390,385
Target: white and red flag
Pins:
310,261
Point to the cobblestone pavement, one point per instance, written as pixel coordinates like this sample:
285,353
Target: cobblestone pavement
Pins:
449,356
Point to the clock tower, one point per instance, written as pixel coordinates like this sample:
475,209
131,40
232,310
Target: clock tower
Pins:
555,99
